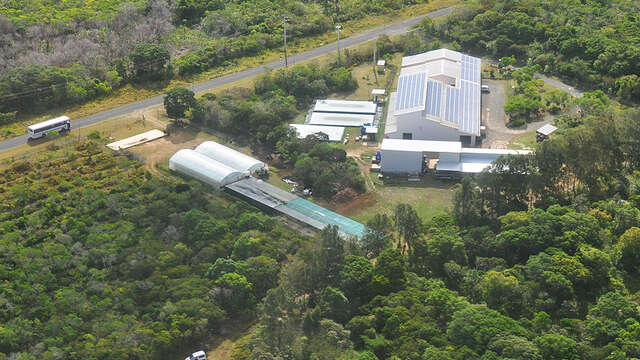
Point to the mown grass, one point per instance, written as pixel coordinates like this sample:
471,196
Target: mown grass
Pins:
428,197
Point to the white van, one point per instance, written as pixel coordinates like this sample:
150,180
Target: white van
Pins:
198,355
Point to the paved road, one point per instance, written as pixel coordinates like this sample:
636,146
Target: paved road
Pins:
560,85
393,29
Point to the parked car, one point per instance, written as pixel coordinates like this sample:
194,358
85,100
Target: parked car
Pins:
485,89
198,355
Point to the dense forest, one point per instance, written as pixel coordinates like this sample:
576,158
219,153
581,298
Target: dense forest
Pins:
58,54
593,44
101,260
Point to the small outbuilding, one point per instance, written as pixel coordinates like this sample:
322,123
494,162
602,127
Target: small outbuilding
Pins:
378,95
380,66
544,132
196,165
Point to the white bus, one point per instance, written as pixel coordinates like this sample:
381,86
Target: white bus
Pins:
36,131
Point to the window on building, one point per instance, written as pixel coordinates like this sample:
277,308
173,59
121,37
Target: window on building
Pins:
407,136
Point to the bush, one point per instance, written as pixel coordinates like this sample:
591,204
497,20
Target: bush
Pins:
516,123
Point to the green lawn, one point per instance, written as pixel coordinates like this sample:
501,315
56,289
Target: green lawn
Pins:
429,197
524,141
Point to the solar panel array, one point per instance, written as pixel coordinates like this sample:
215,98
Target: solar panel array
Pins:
434,98
470,107
470,69
458,104
411,91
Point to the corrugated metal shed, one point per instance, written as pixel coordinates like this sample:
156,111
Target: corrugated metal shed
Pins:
340,119
345,106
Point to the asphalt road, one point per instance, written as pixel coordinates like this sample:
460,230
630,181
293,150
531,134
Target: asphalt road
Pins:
392,29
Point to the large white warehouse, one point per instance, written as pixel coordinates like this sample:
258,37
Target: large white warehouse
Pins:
448,157
438,98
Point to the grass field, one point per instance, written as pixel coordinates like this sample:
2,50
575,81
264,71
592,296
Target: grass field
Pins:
524,141
429,197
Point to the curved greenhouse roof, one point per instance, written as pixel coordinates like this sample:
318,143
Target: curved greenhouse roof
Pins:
203,168
229,157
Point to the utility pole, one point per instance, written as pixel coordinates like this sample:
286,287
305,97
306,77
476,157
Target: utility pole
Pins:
338,28
375,47
285,21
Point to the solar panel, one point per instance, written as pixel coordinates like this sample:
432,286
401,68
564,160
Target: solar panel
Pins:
410,90
451,113
470,68
470,106
434,97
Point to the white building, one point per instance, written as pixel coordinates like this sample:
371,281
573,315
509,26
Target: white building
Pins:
438,98
204,168
334,133
345,106
448,157
230,157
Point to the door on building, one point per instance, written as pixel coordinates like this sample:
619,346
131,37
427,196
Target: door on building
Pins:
407,136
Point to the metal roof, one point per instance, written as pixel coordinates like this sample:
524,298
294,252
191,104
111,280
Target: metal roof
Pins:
445,84
546,130
345,106
378,92
203,168
295,207
340,119
335,133
47,123
475,160
421,145
229,157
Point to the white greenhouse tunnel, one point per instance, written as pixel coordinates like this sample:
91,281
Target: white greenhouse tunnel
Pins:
204,168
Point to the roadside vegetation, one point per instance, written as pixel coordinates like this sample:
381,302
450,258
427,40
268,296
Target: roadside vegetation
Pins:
77,54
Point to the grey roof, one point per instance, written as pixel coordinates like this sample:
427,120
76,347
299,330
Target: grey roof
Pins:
345,106
340,119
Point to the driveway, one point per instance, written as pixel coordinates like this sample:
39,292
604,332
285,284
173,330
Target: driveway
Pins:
495,120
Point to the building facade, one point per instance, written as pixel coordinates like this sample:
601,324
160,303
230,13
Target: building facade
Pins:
438,98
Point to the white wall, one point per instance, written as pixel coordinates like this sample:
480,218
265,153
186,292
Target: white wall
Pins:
401,161
423,129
